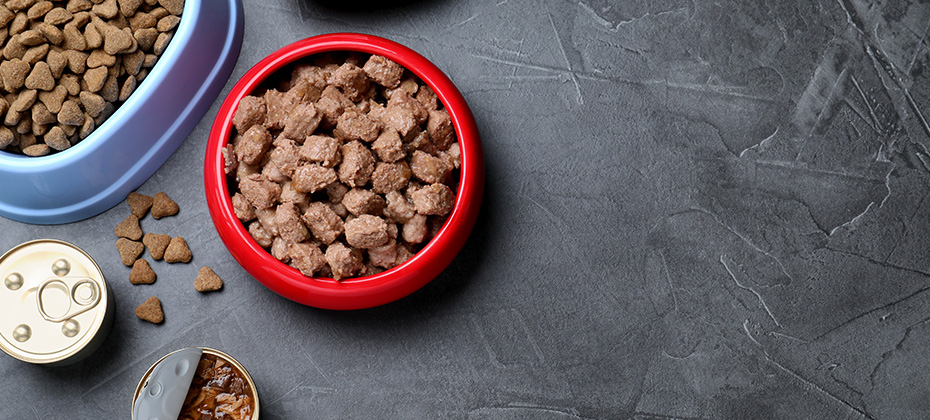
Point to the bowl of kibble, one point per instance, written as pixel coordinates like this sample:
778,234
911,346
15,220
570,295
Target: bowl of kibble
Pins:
344,171
96,95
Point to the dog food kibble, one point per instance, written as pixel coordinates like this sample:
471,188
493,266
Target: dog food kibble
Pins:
142,273
345,168
139,204
66,65
150,311
218,391
156,244
207,281
129,251
129,228
177,251
162,206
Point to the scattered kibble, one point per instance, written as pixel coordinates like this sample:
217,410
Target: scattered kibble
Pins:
151,311
142,273
129,228
208,281
177,251
156,244
129,251
139,204
162,206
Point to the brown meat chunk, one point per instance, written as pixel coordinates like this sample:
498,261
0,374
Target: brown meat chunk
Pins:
290,195
389,146
301,121
384,255
351,80
312,178
253,145
267,218
336,191
440,129
398,208
415,229
400,119
261,236
389,177
352,125
357,164
278,106
366,231
290,227
310,74
363,201
245,211
261,192
344,261
383,71
435,199
285,156
405,100
332,104
279,250
428,98
321,149
307,258
429,169
325,224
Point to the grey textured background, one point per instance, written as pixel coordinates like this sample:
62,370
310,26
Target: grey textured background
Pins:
694,210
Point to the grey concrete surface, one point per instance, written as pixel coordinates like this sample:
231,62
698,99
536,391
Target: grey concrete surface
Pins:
694,210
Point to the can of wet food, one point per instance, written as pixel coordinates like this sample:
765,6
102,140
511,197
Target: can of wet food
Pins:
196,383
55,307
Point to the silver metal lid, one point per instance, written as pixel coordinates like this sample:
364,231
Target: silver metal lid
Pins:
52,303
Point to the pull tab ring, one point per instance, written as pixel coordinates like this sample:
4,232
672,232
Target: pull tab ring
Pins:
83,292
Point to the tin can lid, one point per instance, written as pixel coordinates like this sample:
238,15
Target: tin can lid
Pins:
53,301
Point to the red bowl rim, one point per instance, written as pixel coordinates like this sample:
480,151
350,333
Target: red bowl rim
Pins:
360,292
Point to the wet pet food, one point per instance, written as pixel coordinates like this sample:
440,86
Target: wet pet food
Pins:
66,66
345,166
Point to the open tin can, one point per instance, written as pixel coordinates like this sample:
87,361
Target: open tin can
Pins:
55,306
194,382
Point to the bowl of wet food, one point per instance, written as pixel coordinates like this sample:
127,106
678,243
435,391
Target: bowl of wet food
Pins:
97,95
344,171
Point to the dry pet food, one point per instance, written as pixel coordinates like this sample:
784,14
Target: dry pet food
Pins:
66,66
139,204
162,206
129,228
208,281
156,244
129,251
344,167
150,311
177,251
142,273
218,391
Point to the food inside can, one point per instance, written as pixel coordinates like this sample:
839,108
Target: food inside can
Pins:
219,391
196,384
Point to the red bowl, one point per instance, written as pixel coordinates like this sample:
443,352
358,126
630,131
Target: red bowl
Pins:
360,292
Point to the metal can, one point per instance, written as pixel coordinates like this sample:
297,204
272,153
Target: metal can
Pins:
160,390
55,306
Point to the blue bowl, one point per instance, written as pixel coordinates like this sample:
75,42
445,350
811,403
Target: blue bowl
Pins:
122,153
